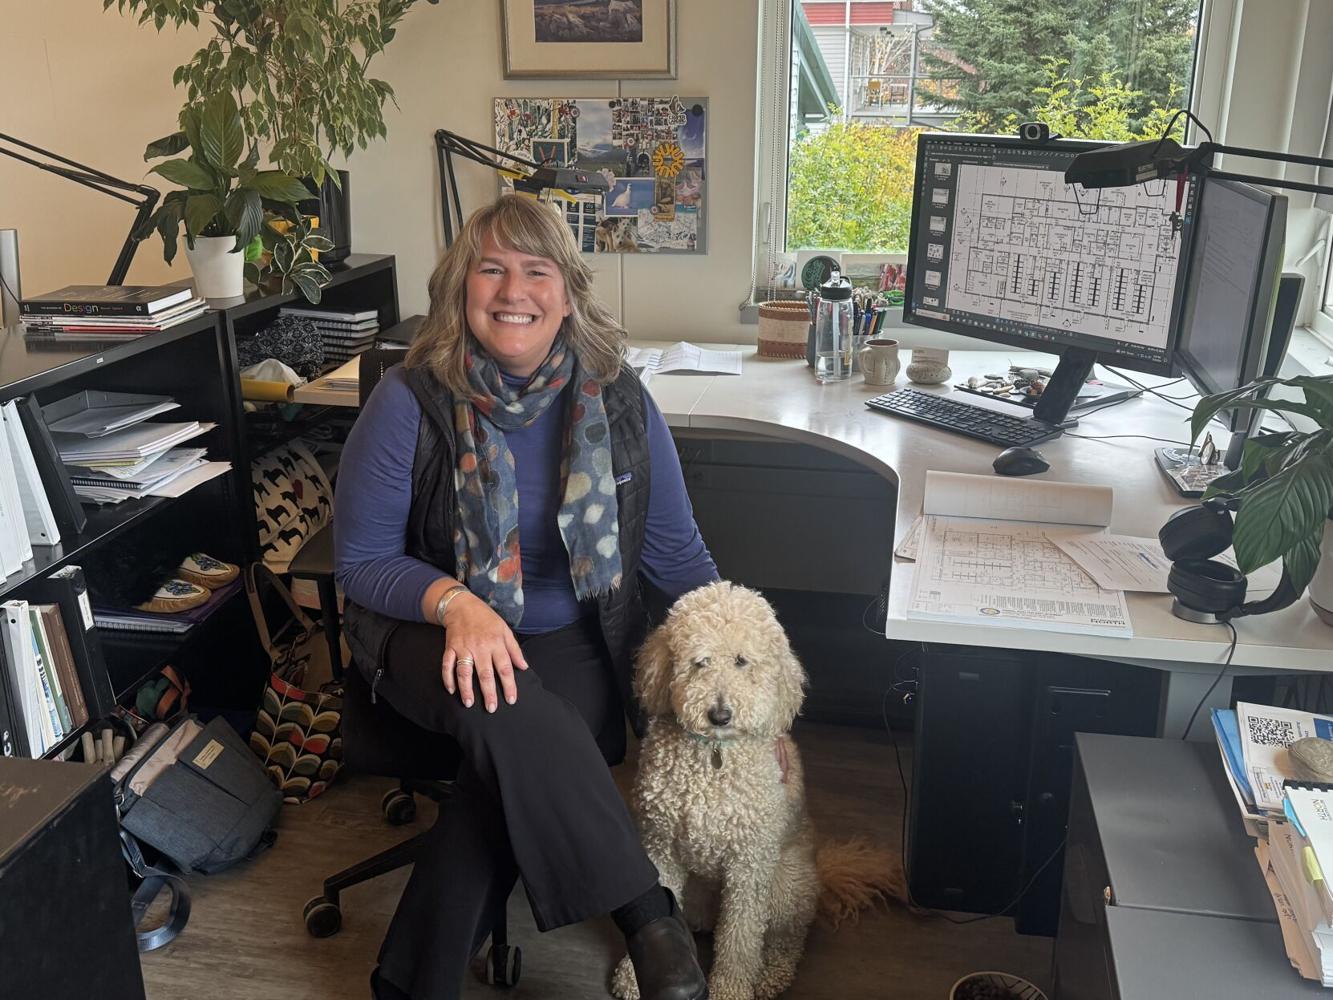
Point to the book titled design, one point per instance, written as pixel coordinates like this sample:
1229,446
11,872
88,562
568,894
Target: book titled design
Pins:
107,300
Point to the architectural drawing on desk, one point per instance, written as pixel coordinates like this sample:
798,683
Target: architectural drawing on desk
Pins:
1010,561
1026,248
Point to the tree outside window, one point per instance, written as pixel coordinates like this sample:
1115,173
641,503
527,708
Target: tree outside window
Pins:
1093,69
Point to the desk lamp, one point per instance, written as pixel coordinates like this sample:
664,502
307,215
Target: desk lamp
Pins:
528,175
1129,163
98,181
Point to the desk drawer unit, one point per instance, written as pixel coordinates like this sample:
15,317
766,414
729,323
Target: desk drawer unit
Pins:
992,771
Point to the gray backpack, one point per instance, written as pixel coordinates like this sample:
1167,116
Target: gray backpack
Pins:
196,793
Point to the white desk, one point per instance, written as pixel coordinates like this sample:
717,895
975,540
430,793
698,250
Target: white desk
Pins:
781,399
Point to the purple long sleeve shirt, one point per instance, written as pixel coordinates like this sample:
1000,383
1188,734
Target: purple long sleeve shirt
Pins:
374,495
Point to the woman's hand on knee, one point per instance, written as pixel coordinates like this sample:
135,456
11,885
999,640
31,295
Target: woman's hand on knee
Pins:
479,644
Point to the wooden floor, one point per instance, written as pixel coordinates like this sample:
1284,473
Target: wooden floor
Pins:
246,939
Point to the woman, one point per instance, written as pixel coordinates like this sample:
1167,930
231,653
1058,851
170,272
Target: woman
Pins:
499,496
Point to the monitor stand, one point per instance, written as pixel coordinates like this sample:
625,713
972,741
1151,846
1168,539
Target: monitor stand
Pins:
1063,388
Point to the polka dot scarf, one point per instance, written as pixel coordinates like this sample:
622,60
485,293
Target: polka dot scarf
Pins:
486,539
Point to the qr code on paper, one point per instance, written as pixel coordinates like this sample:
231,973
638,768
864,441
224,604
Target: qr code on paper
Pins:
1271,732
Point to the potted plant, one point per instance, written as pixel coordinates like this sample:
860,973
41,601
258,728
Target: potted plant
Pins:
298,70
1284,485
223,199
287,258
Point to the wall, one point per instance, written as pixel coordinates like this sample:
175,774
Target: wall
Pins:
96,87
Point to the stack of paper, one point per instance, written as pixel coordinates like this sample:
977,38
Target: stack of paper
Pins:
682,357
1265,732
990,553
344,333
1298,850
1226,729
113,452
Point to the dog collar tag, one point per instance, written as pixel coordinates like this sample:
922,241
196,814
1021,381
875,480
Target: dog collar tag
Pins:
717,758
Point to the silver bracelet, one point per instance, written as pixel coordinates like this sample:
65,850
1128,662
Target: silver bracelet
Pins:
443,604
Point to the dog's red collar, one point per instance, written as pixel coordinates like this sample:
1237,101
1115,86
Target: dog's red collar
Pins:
784,762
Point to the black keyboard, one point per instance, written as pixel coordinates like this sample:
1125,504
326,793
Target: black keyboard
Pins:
964,418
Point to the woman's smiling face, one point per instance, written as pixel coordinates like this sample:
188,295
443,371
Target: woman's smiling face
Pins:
515,305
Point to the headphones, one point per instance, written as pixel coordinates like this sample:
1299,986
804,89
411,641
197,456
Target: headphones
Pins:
1206,590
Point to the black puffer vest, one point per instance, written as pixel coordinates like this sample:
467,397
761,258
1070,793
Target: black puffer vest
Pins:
431,518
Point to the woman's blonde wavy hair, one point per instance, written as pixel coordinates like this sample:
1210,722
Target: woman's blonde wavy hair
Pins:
521,224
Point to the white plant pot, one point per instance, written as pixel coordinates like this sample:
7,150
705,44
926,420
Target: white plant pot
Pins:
1321,587
218,273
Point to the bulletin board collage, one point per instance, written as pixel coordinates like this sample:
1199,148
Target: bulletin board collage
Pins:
652,152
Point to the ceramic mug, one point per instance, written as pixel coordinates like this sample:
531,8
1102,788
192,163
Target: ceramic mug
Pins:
879,361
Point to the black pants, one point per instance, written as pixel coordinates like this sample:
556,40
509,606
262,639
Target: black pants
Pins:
534,797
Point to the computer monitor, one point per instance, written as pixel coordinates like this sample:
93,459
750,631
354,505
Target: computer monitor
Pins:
1231,287
1002,249
1238,312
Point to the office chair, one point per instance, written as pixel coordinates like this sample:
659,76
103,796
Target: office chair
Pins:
379,741
314,561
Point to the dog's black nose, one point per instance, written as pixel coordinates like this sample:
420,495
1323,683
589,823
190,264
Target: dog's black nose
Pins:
719,715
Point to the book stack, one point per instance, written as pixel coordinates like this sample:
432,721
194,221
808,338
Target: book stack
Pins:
344,333
108,312
53,678
112,452
1292,822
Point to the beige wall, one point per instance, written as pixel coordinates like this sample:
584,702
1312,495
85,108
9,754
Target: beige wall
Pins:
96,87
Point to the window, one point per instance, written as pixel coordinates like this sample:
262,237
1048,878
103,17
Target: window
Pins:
865,76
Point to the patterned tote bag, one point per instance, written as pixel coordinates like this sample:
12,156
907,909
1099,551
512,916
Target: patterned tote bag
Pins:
298,733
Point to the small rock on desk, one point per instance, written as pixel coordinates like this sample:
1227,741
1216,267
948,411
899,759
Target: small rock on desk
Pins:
1312,759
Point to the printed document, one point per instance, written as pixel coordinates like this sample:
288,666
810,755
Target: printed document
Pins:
1265,733
1120,562
682,357
987,555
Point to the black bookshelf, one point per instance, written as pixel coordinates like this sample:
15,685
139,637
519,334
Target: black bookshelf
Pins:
196,363
187,362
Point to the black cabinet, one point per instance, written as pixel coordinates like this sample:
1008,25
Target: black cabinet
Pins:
65,917
992,769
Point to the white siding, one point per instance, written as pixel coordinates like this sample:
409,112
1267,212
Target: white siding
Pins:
833,44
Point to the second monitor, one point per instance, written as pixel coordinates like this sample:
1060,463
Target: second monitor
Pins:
1004,250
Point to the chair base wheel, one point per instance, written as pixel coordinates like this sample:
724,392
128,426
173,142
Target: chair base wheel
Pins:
323,917
504,963
399,807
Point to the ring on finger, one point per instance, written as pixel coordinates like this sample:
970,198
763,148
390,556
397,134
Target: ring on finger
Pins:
464,661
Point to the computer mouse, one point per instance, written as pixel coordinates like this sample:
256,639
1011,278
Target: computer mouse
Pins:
1020,462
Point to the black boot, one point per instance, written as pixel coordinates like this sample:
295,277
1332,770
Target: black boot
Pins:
666,964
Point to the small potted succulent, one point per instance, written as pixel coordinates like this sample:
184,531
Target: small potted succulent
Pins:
223,198
1284,484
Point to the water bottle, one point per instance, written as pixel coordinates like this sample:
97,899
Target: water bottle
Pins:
833,330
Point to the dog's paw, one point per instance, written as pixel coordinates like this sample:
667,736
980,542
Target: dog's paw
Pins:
623,984
728,988
774,979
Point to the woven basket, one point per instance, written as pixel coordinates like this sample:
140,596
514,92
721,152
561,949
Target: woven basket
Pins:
1019,987
783,329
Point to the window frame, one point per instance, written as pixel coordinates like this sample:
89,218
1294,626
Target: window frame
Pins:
1217,23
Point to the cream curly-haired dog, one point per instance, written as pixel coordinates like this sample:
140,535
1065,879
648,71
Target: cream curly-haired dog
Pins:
720,794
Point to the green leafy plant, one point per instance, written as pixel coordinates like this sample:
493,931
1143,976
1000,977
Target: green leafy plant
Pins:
1285,480
297,69
223,195
287,260
849,185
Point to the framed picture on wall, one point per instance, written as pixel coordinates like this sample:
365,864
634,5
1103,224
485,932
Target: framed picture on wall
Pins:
590,38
